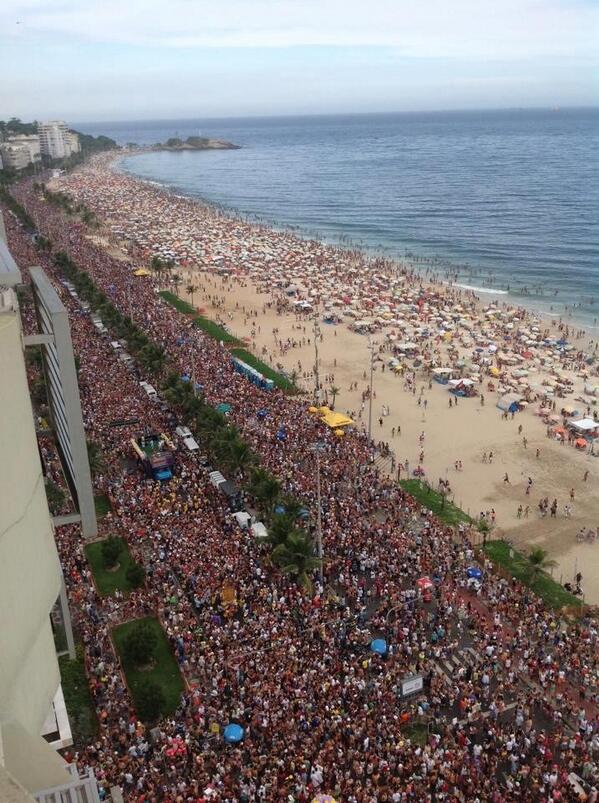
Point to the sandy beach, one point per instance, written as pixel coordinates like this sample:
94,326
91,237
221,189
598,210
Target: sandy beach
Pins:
269,287
462,433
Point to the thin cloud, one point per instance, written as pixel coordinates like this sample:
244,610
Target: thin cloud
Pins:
465,29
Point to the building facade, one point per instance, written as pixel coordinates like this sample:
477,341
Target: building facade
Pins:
15,156
31,142
56,140
31,579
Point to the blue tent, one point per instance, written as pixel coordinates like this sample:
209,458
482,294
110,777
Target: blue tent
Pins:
474,573
279,509
233,733
185,377
378,646
262,413
223,408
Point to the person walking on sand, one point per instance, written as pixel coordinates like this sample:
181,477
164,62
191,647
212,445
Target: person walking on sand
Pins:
490,457
586,475
519,513
484,457
506,479
571,494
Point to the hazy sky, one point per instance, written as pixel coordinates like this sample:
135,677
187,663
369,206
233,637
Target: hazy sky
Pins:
124,59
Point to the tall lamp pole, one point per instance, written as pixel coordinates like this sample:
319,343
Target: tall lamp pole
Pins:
316,363
319,518
371,346
316,447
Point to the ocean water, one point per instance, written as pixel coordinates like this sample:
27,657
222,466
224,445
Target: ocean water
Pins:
503,202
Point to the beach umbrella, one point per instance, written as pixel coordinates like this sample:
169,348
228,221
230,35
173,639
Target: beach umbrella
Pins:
378,646
233,733
323,799
474,572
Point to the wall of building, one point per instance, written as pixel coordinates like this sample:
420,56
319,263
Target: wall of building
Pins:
29,568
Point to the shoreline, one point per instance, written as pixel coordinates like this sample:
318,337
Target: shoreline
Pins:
255,307
433,270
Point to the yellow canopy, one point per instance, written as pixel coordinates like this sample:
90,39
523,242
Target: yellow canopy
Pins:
312,409
141,272
339,433
494,371
336,420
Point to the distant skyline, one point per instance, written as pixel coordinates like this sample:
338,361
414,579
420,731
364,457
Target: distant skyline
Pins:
103,60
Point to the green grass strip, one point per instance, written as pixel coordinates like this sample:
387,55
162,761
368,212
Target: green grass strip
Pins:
165,671
108,582
205,324
78,699
279,380
218,333
550,591
102,505
443,509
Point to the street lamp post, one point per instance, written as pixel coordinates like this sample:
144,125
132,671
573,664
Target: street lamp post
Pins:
319,518
371,346
316,447
316,363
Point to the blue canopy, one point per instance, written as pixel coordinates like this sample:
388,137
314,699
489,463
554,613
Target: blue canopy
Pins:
223,407
262,413
233,733
185,377
279,509
474,572
379,646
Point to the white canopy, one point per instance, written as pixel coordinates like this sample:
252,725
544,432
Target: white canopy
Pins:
585,424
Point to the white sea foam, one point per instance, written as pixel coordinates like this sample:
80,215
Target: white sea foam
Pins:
479,289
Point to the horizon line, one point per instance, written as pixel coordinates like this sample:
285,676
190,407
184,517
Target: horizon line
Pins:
556,108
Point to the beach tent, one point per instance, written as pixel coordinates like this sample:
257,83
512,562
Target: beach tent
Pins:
509,403
259,530
141,272
585,424
335,420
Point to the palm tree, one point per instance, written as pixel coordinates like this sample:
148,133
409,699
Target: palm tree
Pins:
239,457
95,458
334,391
157,265
266,490
538,562
176,280
296,557
190,290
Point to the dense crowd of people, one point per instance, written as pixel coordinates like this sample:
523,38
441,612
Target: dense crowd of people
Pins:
322,713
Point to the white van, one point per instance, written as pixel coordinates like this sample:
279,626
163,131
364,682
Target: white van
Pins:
149,389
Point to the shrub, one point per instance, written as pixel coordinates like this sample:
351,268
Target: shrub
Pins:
149,700
136,574
140,644
111,549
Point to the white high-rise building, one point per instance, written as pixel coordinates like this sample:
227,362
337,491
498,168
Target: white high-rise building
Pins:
31,701
54,139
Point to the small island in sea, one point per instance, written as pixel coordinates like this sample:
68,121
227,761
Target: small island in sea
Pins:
195,144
